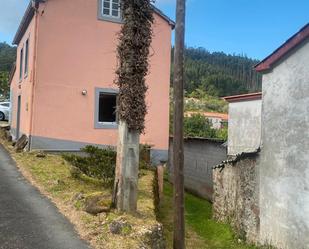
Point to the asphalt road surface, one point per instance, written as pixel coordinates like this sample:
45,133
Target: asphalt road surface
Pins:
28,220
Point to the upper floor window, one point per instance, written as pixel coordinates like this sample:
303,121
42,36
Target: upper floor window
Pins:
109,10
26,57
21,59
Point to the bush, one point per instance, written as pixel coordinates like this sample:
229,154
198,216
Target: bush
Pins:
198,126
98,163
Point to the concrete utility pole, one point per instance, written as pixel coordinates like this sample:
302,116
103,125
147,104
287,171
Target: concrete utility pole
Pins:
133,61
178,158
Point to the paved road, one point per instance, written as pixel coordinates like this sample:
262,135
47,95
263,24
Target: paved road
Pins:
28,220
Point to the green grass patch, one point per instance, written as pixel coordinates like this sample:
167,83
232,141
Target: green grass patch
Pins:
52,175
201,230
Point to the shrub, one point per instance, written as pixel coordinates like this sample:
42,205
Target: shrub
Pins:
97,163
144,153
100,163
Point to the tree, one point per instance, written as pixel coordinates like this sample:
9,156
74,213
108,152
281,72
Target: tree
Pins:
4,85
133,51
198,126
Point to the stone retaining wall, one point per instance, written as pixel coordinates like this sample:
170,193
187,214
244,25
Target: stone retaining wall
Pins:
236,197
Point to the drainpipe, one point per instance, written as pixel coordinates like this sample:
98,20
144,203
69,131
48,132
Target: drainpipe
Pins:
35,5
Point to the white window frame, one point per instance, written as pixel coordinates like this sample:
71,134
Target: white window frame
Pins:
111,2
109,17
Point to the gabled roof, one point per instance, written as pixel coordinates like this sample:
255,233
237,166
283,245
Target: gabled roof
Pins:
25,21
223,116
289,45
243,97
31,10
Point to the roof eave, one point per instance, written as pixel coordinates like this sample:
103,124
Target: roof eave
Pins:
31,10
165,17
283,50
24,24
243,97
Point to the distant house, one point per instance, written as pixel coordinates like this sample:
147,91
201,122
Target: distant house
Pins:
244,128
62,92
263,189
218,120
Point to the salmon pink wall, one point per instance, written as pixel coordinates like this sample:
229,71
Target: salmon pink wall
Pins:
23,87
76,52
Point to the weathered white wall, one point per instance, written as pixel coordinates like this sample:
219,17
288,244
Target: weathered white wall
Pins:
244,126
284,167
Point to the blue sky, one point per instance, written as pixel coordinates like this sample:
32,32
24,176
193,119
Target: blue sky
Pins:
251,27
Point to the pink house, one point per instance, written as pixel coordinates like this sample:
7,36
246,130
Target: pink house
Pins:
62,91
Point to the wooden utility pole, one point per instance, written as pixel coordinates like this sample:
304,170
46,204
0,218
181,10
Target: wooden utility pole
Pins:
178,158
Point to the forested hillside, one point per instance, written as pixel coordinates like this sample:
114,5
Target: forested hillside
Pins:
219,74
7,58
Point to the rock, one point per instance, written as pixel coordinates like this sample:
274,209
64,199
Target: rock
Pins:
120,226
41,155
21,143
8,136
152,237
75,172
5,127
97,203
60,182
78,196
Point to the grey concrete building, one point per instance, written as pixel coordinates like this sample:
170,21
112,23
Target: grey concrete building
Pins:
284,159
276,178
244,128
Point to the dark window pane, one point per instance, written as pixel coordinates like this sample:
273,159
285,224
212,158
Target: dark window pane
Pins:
115,13
107,108
106,11
106,5
115,6
21,64
26,56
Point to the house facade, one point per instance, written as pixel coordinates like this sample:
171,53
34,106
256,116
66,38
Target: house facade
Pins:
263,189
63,93
244,134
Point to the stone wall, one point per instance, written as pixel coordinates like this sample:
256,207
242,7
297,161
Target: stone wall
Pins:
200,156
236,197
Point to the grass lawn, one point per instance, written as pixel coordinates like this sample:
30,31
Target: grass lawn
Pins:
201,231
51,175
